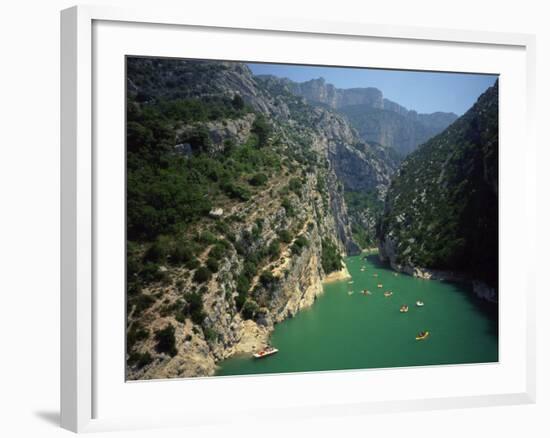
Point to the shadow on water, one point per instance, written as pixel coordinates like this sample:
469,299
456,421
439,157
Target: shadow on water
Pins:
488,309
375,260
480,305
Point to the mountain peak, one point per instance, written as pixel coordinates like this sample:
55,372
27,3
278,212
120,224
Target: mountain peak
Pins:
376,118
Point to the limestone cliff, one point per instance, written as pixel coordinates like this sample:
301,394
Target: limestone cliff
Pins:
376,118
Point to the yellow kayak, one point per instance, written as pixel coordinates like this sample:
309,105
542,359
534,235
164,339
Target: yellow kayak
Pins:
422,336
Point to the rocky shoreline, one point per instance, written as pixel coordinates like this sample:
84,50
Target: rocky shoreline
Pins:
387,254
342,274
255,336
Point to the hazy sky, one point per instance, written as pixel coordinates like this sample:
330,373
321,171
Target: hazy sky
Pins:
423,92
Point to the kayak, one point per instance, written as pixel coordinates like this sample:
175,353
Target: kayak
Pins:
423,336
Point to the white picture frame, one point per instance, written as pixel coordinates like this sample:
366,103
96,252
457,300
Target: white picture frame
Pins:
81,374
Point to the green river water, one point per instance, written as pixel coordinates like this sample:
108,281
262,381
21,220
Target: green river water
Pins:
342,331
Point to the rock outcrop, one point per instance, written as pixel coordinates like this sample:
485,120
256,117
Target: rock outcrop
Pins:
376,119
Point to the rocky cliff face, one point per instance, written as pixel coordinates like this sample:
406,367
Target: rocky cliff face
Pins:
441,212
274,170
318,91
376,119
355,166
400,130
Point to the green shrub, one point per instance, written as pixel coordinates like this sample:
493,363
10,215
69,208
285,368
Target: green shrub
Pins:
166,340
243,284
274,249
258,179
207,237
135,334
139,360
285,236
295,185
267,278
141,302
217,251
239,301
256,232
286,203
249,309
158,251
210,334
222,227
262,128
193,263
150,273
229,146
182,253
320,186
299,244
240,248
250,269
238,102
236,191
331,260
195,307
199,139
202,275
212,264
180,315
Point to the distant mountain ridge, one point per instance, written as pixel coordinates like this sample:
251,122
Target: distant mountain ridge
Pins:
376,118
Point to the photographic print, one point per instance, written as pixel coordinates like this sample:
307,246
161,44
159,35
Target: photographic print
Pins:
295,218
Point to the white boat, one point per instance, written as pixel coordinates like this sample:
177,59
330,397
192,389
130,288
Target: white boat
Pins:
419,303
266,352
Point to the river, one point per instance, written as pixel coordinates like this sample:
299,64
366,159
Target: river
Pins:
353,331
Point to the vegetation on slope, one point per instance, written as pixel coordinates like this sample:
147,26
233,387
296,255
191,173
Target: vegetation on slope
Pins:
176,247
442,207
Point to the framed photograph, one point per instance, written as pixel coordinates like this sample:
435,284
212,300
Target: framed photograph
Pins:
291,218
